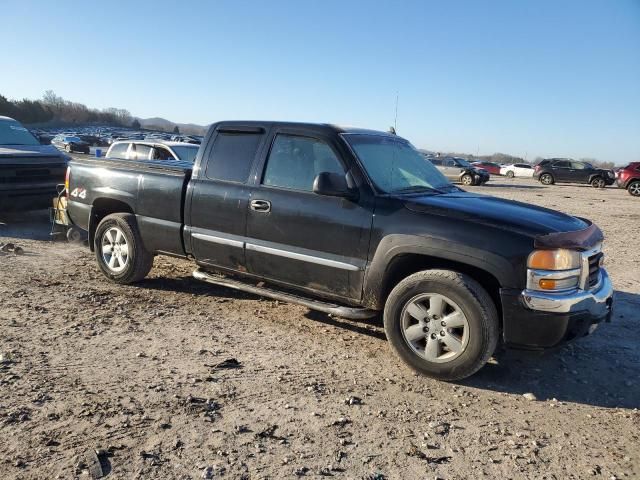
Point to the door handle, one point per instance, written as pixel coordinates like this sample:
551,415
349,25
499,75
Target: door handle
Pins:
260,206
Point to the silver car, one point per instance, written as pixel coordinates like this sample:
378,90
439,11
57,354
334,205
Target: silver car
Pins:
146,150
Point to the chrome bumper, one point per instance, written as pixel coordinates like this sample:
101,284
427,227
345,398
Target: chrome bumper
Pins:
598,302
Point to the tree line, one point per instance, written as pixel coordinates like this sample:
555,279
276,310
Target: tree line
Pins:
55,109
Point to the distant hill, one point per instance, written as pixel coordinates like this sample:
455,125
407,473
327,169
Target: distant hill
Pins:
157,123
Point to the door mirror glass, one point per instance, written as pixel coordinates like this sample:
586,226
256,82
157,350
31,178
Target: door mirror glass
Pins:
332,185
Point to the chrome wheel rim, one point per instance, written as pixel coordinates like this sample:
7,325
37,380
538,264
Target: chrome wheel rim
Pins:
434,327
634,188
115,249
598,183
466,180
546,179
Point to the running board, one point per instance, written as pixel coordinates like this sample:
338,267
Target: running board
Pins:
337,310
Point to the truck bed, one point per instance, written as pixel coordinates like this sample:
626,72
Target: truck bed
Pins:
153,189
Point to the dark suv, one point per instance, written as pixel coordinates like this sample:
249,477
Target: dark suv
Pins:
629,178
565,170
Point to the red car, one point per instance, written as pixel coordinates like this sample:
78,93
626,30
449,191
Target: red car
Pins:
629,177
492,168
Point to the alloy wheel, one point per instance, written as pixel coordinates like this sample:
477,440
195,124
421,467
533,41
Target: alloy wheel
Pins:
115,249
435,327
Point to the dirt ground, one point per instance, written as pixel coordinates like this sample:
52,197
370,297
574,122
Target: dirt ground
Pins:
173,378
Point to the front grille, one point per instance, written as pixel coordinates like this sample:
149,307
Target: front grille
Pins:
32,174
594,269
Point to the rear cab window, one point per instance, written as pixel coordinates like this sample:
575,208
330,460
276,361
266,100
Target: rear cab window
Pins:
232,155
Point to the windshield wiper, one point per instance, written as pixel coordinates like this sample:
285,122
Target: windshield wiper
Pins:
417,189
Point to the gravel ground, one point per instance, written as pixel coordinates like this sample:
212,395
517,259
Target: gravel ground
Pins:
173,378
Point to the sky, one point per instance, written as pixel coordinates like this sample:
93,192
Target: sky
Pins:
529,78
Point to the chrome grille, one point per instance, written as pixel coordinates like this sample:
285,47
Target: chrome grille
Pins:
594,269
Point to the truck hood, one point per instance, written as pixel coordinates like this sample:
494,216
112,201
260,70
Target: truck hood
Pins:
510,215
12,154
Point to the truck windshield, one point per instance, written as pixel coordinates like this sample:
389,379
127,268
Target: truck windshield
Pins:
12,133
395,166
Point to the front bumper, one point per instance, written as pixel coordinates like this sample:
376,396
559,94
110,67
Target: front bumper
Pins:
538,320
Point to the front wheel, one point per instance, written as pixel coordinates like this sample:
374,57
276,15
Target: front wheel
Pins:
510,174
598,182
467,180
443,324
119,249
634,188
68,148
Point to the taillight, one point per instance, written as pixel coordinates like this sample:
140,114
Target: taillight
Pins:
66,182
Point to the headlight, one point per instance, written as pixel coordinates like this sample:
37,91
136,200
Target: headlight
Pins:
553,270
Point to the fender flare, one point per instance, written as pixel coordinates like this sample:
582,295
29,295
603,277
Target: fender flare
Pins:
395,245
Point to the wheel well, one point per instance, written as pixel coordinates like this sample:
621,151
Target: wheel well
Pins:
402,266
101,208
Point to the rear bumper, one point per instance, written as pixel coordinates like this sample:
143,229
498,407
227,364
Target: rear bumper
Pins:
537,320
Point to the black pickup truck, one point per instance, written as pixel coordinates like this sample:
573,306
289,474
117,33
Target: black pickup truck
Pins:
29,172
353,223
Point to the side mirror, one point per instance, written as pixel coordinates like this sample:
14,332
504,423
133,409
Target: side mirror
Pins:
333,185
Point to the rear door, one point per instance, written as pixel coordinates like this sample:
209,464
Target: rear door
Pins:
297,237
219,195
561,170
450,169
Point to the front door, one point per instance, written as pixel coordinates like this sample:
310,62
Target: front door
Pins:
300,238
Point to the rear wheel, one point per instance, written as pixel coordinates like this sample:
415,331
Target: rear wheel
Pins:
634,188
598,182
119,249
68,148
467,179
510,174
443,324
546,179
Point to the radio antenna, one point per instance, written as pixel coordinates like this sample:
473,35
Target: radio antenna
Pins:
395,120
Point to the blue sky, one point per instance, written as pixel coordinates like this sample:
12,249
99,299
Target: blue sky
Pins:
536,78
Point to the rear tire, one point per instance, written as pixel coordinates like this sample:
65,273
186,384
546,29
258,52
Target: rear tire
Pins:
119,249
416,315
547,179
510,174
598,182
67,148
634,188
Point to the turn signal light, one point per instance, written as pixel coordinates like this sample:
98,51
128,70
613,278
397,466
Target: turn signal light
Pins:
547,284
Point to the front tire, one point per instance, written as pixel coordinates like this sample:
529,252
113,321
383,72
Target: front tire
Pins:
119,249
467,180
441,323
634,188
510,174
598,182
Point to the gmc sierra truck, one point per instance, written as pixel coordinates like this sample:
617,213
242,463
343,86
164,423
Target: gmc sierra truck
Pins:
353,223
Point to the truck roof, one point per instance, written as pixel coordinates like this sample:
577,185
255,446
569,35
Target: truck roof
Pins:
327,127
